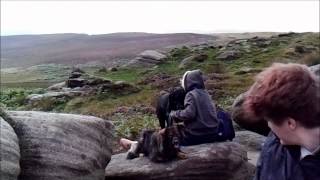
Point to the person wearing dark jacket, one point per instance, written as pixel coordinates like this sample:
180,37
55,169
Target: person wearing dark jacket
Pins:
287,96
202,122
199,114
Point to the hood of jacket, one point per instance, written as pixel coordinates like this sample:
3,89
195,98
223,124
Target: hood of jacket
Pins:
191,80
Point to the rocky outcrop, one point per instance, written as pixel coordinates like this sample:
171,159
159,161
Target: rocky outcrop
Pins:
36,97
229,55
147,58
289,34
57,87
78,84
260,42
9,152
246,70
252,141
223,161
247,122
61,146
194,58
118,87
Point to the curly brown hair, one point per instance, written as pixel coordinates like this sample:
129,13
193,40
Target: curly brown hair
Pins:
285,90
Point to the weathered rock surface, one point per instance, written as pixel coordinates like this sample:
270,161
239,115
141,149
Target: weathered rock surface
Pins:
252,141
9,152
147,58
229,55
194,58
261,42
246,70
76,82
57,87
250,123
220,161
151,54
74,87
62,146
36,97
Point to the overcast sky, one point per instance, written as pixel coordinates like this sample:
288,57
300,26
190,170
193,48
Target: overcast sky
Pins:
100,17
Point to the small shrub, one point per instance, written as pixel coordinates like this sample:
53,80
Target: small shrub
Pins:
178,54
130,126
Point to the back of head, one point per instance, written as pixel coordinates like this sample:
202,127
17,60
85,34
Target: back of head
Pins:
191,80
286,90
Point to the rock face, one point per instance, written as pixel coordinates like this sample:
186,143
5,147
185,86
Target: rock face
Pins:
76,82
57,87
36,97
151,54
62,146
252,141
221,161
9,152
229,55
147,58
246,70
250,123
76,86
194,58
260,41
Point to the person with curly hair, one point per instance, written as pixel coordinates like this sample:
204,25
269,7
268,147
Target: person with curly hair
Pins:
287,97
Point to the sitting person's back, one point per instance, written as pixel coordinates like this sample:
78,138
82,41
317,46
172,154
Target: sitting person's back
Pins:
199,113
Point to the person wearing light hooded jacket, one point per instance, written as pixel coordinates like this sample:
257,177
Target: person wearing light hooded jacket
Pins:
199,114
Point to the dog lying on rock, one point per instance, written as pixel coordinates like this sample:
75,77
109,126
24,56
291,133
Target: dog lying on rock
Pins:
159,145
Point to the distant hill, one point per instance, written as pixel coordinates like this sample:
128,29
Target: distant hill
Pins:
72,49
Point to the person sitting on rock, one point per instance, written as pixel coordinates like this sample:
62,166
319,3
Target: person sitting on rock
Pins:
287,96
199,114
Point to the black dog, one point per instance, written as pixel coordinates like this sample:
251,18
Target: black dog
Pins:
159,145
168,101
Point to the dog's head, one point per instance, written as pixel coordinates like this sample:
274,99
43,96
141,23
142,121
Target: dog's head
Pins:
176,98
172,136
163,145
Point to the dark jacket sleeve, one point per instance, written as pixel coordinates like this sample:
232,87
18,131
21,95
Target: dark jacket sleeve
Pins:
188,113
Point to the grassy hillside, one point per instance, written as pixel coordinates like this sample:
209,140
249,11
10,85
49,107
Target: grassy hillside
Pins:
73,49
132,112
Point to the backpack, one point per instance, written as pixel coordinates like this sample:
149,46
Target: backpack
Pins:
225,128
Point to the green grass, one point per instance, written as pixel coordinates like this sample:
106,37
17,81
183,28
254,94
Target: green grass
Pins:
40,76
14,98
169,67
103,105
26,85
123,74
129,125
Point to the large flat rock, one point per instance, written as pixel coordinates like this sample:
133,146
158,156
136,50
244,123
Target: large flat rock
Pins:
9,152
62,146
219,161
